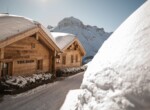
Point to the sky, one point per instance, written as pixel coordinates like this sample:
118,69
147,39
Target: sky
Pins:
108,14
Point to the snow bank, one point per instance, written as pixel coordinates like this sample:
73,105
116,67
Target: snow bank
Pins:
71,100
118,78
21,82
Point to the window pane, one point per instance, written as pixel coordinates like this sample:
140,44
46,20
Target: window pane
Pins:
64,60
71,58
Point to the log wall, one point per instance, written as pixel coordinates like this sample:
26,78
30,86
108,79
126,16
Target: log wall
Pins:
73,57
25,55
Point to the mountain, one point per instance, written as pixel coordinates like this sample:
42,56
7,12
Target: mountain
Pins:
118,77
91,37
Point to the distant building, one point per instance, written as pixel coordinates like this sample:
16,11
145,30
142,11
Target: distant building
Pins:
72,50
26,47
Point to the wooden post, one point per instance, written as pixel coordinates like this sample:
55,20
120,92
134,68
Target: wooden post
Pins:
37,36
53,64
1,63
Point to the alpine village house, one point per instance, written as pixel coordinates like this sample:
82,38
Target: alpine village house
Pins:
27,47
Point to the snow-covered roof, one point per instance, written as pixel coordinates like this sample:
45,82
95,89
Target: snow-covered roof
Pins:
48,33
63,39
11,25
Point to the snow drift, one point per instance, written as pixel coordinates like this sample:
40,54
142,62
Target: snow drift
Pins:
118,78
91,37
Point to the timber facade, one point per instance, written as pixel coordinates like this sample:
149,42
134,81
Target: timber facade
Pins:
26,48
71,51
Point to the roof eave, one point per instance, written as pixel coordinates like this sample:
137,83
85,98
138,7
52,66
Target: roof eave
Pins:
17,37
75,39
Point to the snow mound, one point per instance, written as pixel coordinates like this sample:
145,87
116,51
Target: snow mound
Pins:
71,99
118,78
21,82
91,37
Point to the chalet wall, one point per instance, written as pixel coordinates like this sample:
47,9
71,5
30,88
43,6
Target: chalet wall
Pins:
24,55
68,61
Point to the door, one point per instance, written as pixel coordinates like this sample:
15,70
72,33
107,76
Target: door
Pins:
7,69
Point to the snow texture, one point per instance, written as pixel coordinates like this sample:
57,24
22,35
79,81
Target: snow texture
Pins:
11,25
91,37
48,33
118,78
23,81
63,39
71,100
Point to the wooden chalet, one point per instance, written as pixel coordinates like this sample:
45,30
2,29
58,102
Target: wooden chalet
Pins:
72,50
26,47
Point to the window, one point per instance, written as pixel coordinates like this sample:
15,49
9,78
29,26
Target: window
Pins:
33,45
71,58
77,58
64,60
39,64
57,58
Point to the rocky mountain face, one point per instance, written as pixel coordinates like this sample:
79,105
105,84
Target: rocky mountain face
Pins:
91,37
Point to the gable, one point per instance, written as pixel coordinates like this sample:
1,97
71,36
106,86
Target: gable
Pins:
14,28
75,45
40,35
26,48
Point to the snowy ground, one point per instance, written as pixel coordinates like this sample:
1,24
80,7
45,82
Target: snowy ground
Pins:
71,100
46,97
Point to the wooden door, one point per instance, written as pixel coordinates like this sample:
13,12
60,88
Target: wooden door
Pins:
7,69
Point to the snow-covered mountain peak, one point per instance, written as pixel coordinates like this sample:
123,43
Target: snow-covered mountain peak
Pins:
70,21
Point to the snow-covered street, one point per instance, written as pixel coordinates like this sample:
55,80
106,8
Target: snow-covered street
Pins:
45,97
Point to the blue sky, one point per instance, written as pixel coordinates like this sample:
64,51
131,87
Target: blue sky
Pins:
108,14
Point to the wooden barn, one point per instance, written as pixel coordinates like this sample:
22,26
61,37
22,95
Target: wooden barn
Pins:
72,50
26,47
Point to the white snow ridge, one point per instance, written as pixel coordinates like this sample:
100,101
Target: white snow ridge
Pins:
118,78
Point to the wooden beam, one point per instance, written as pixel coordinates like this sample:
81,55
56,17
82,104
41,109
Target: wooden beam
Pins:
37,36
2,53
18,37
1,57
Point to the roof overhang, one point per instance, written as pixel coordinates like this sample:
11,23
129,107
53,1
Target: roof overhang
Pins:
48,39
18,37
12,39
81,47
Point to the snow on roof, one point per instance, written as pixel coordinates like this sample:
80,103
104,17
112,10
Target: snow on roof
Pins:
11,25
48,33
63,39
118,78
